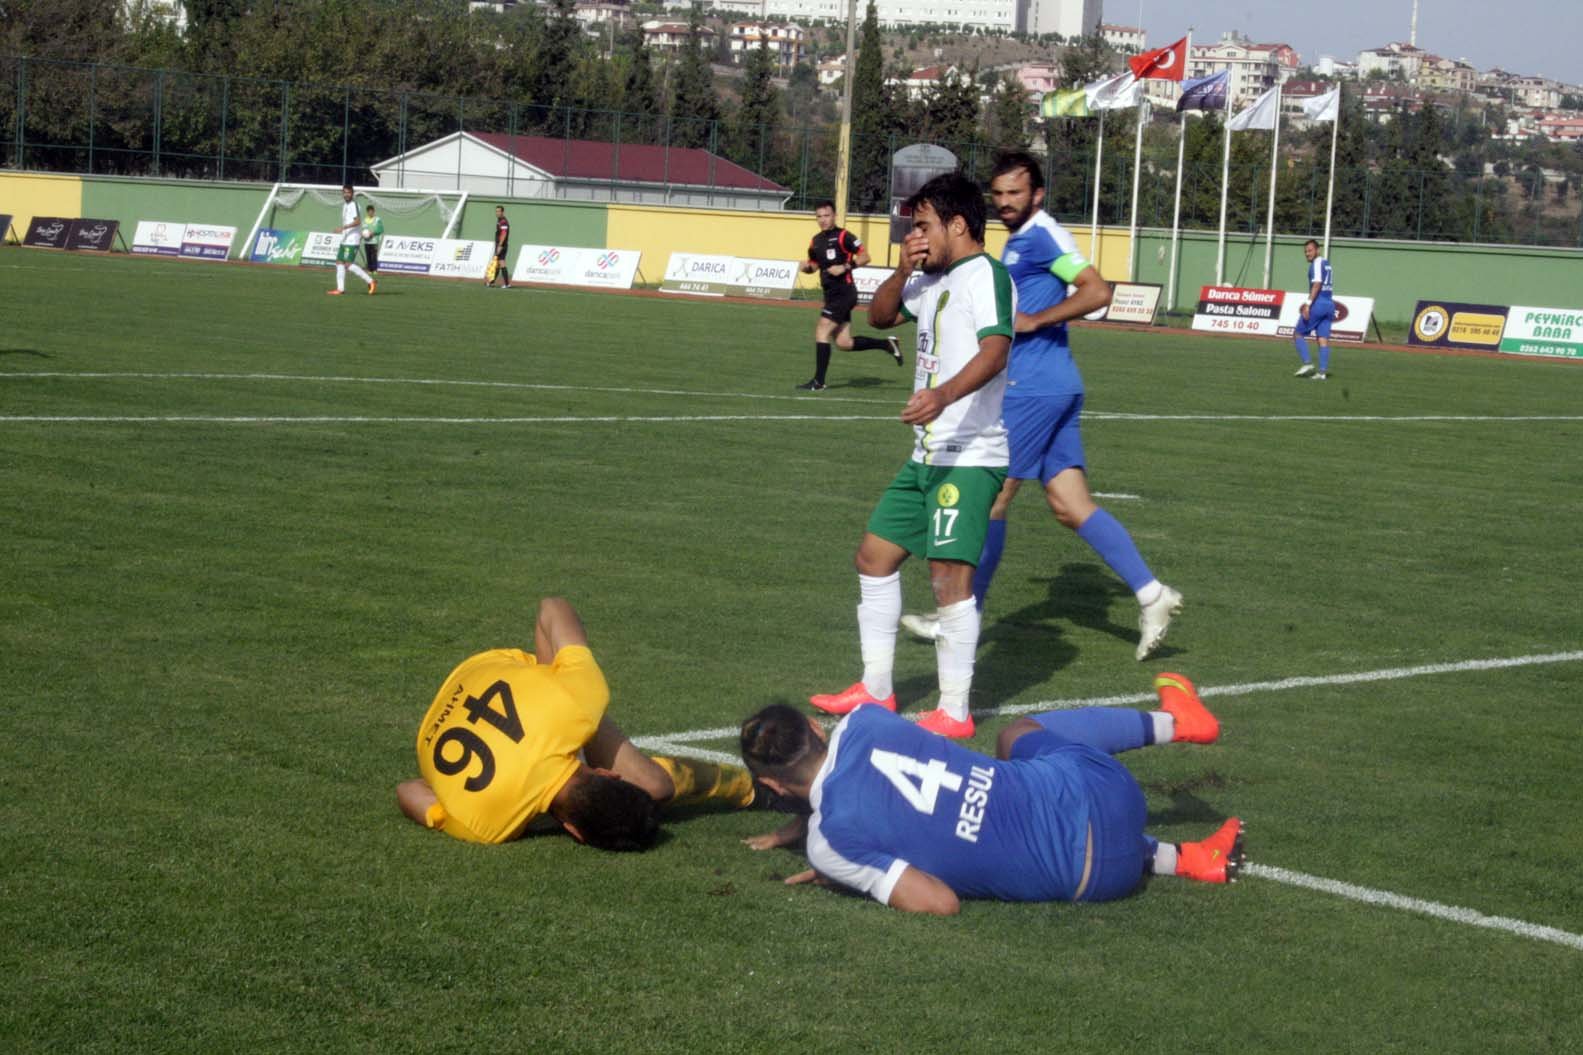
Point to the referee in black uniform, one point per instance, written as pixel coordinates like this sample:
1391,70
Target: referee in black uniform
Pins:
835,252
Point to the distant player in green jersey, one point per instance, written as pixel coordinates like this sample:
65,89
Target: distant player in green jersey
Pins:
373,234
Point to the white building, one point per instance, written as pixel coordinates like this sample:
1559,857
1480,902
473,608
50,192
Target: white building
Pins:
1070,18
673,36
1541,93
1255,68
831,70
1124,38
170,12
1394,60
1330,66
920,82
784,40
499,165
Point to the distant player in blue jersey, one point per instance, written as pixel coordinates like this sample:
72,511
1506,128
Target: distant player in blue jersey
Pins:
1318,314
918,822
1044,400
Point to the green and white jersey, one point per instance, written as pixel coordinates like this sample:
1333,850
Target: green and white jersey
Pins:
350,215
376,230
972,299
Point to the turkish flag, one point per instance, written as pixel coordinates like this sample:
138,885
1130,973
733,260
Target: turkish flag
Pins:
1166,64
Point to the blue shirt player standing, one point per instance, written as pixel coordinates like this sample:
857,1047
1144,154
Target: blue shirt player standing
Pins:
918,822
1044,399
1318,314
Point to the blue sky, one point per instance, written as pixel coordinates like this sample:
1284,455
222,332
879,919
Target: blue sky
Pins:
1539,37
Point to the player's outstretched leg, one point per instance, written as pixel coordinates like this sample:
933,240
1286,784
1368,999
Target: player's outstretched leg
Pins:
1217,859
1191,720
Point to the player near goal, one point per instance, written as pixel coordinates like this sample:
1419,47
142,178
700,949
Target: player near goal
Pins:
919,823
835,253
351,237
514,738
497,263
373,235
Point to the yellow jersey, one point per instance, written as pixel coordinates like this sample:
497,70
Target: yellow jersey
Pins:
502,735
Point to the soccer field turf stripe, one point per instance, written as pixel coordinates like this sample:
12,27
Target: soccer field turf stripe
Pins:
1386,899
1092,415
327,419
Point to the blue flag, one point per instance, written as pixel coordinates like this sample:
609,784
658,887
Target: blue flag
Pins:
1204,93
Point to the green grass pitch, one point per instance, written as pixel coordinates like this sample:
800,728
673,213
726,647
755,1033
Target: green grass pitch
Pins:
245,528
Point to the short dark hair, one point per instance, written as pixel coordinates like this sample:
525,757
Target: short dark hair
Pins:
952,194
611,814
1312,242
500,208
776,741
826,204
346,186
1013,160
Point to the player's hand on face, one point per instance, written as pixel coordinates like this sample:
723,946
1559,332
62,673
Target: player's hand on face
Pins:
914,249
925,405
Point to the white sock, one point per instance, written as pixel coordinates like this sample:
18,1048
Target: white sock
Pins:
954,650
340,277
878,613
1164,860
1164,726
1149,592
360,273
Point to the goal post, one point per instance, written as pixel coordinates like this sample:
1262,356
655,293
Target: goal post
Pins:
435,213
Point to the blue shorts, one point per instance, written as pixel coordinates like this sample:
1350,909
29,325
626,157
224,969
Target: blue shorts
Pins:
1043,431
1321,313
1116,813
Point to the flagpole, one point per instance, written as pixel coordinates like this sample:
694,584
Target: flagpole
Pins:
1275,157
1093,225
1330,194
1225,178
1137,158
1176,213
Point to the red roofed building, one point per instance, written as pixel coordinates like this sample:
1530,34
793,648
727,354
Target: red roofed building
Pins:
500,165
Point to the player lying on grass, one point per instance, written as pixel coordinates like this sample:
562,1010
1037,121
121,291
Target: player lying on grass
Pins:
513,737
918,822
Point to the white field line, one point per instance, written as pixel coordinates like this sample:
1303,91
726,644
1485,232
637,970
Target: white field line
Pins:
1096,415
682,743
325,419
1386,899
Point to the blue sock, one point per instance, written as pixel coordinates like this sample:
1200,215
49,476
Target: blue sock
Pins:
1105,728
1324,357
989,560
1111,541
1302,348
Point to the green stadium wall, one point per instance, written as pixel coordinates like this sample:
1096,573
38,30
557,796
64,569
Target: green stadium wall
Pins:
1396,274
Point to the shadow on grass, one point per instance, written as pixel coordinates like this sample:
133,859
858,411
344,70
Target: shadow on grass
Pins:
26,351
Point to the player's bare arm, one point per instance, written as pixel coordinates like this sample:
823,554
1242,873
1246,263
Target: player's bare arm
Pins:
918,891
558,626
884,311
927,404
1092,294
415,797
789,834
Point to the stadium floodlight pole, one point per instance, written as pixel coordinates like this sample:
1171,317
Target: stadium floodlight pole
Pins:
1093,223
1330,194
1225,180
1137,162
1176,214
1275,158
843,157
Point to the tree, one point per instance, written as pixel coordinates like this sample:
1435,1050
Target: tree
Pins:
1008,116
874,122
639,100
694,110
751,140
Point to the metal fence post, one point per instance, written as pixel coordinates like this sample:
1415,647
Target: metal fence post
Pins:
1422,178
93,109
346,131
159,113
285,125
1478,202
225,114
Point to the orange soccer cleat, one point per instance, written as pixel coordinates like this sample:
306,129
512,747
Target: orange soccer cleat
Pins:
937,721
850,699
1178,698
1216,859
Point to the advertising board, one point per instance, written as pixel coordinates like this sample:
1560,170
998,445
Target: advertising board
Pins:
570,266
729,276
1274,313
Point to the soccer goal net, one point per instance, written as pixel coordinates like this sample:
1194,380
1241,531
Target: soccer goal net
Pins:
317,207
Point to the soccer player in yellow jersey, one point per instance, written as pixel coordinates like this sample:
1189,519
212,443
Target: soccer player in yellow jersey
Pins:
514,736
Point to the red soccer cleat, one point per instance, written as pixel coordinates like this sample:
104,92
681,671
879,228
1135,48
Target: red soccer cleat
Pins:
937,721
850,699
1216,859
1178,698
333,292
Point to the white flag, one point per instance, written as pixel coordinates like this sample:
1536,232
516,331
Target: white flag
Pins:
1323,107
1260,115
1120,92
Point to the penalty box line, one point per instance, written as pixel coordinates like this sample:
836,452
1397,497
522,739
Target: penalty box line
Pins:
683,743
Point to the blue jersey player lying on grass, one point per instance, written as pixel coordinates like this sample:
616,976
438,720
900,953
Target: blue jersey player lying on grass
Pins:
918,822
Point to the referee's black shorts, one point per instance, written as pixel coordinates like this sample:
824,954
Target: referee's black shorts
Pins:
838,304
